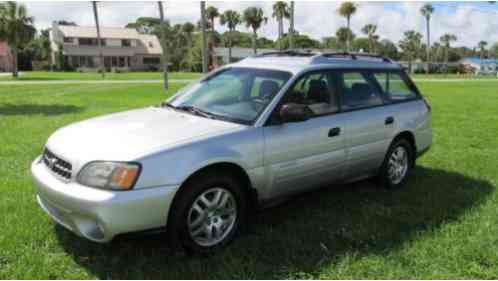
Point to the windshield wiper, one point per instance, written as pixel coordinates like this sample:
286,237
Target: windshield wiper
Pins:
167,104
194,110
203,113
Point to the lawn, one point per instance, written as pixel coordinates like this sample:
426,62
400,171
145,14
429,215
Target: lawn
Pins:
444,224
55,76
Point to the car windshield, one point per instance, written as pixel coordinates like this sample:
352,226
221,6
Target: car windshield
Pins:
235,94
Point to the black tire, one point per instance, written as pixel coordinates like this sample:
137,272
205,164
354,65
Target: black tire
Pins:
178,228
383,177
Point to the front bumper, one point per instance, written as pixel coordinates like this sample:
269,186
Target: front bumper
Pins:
100,215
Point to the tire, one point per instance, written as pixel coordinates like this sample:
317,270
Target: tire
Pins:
395,169
210,204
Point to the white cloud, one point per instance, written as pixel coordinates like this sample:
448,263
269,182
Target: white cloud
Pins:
317,19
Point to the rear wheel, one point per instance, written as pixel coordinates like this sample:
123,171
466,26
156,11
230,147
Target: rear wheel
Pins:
209,212
397,164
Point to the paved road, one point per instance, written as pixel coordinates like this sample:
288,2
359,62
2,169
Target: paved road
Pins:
154,81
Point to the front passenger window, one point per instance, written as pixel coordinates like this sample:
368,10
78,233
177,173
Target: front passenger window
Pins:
358,91
316,91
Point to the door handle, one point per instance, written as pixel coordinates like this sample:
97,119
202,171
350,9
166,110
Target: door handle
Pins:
389,120
334,132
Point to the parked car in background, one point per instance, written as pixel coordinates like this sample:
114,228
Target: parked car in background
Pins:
266,127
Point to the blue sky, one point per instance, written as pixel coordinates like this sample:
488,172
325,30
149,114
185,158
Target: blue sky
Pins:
470,21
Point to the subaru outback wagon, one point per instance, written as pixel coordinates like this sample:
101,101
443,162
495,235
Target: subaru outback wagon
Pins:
267,127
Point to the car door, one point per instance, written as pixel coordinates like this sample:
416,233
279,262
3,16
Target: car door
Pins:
368,122
300,155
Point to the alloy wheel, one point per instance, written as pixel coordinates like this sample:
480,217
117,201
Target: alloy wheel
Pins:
212,216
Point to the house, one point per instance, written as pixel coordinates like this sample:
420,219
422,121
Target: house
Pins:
480,66
122,48
5,58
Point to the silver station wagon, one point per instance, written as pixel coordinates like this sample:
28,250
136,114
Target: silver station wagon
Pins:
267,127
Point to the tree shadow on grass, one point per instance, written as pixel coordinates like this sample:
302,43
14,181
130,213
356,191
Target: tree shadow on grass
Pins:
34,109
301,235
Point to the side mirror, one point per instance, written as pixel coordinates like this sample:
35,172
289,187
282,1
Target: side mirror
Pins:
293,112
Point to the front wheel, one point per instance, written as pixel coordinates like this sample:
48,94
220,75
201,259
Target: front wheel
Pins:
397,164
209,212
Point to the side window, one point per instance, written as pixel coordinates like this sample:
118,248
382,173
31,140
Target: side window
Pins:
315,90
358,91
394,87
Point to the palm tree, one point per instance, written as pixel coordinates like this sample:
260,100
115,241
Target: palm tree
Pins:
16,27
370,30
427,11
482,47
291,26
254,18
344,34
347,10
280,11
446,39
411,45
187,29
211,14
231,19
204,38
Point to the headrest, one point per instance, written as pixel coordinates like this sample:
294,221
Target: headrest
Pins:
268,89
318,91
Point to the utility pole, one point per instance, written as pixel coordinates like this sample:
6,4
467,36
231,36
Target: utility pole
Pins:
99,43
164,46
204,39
291,26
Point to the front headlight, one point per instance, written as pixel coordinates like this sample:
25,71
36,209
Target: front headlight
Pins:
110,175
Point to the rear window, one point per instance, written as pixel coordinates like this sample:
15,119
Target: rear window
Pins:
394,86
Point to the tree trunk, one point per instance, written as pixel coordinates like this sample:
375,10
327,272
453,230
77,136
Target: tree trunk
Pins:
15,70
230,46
204,37
446,59
99,44
164,46
189,42
348,43
280,33
428,46
254,41
291,26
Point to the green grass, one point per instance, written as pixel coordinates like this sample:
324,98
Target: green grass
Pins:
453,76
444,224
54,76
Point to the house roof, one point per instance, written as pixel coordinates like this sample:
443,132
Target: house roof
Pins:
105,32
149,44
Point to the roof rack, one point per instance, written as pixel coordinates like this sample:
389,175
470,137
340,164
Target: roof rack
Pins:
355,56
288,53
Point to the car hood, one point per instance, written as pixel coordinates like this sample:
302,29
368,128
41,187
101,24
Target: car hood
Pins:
129,135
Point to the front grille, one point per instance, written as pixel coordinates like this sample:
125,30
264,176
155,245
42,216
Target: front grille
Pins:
58,166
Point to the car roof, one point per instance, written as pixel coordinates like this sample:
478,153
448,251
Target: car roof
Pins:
296,62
